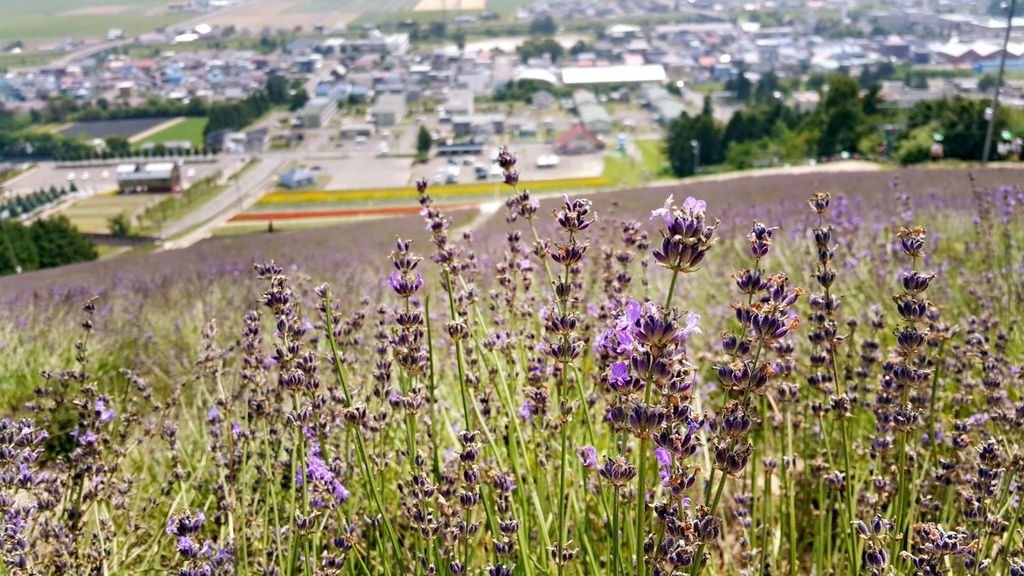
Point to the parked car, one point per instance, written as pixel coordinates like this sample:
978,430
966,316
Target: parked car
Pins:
481,171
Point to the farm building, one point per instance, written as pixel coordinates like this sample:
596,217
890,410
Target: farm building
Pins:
389,109
296,178
579,140
318,112
153,177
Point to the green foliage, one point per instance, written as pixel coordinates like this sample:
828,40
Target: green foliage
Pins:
916,147
277,89
543,26
118,145
536,47
523,91
58,242
962,123
120,226
682,133
298,99
423,141
740,86
43,244
841,116
987,83
17,250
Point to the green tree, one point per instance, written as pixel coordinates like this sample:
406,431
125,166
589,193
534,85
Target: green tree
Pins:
58,242
423,142
120,226
682,133
298,100
17,250
543,26
277,90
766,87
987,83
536,47
740,86
841,116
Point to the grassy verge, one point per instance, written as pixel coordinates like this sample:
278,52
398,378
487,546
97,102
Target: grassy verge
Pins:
93,214
176,206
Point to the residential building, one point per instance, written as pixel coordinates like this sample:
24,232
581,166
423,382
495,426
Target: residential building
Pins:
318,112
389,109
579,140
296,178
459,103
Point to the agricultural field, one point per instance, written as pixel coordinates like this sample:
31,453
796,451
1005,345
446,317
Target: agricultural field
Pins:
785,374
127,127
43,20
188,130
299,199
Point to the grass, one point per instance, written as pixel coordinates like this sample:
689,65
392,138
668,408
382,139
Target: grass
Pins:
93,214
321,197
27,59
505,6
653,159
189,129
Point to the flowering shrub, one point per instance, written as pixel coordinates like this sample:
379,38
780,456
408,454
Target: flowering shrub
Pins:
556,404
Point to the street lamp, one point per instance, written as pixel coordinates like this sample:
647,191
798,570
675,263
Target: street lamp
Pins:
991,115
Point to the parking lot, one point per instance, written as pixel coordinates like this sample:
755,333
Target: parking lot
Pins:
97,180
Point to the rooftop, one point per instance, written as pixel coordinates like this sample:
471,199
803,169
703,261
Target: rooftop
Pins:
621,74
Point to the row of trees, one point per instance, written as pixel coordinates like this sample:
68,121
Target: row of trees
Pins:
277,91
43,244
26,204
847,120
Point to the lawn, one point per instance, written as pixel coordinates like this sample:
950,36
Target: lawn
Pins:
26,59
57,19
189,129
94,213
653,160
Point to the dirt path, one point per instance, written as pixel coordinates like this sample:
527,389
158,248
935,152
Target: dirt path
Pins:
156,129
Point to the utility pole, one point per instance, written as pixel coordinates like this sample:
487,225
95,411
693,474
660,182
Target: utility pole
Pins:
999,86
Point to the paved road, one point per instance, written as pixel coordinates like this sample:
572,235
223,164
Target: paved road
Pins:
246,190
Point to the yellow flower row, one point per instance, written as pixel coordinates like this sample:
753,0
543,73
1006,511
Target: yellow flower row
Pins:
409,192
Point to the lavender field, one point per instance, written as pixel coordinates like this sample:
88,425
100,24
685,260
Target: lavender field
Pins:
815,374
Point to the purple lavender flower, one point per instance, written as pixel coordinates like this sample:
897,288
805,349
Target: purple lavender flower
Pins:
588,456
104,414
664,458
